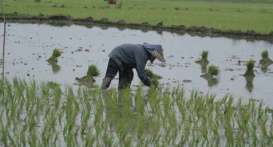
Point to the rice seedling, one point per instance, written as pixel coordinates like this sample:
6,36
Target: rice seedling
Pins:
265,61
211,75
54,57
249,83
265,58
55,67
93,71
204,58
45,114
249,75
151,74
213,71
154,77
88,80
250,68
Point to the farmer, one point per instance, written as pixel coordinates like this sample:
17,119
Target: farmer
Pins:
128,56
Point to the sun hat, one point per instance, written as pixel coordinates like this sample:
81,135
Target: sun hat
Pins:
155,50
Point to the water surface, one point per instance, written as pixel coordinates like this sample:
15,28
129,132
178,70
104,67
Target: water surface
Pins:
29,45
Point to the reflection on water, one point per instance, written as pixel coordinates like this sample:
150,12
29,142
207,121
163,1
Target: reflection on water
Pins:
212,81
249,83
204,68
55,67
264,68
30,45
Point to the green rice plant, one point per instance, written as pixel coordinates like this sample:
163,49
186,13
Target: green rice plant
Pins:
265,58
249,83
54,57
139,101
55,67
264,54
250,68
89,139
265,61
153,77
88,80
213,70
93,71
211,75
54,116
204,58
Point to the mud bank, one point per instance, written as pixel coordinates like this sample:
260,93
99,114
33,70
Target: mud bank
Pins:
60,20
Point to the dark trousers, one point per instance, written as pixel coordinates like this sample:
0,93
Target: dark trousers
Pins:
126,73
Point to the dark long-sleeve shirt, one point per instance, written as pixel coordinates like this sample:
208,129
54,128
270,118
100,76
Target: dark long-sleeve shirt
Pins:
135,56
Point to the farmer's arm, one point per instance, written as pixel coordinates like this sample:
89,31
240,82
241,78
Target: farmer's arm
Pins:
140,68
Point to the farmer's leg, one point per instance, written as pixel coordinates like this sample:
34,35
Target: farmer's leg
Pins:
112,70
125,78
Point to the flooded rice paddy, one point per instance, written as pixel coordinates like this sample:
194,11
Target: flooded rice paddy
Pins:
28,46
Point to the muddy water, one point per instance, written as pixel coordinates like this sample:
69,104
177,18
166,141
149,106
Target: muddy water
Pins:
29,45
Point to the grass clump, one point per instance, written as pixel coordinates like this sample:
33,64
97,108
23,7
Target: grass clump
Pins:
250,68
249,75
204,58
213,70
211,75
93,71
265,61
54,57
88,80
265,58
153,77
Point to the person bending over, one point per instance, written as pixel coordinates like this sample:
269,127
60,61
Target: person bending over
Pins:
125,57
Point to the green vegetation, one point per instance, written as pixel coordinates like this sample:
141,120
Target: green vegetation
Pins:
154,77
54,57
204,58
43,114
211,75
225,15
203,61
213,71
249,83
55,67
250,68
88,80
93,71
250,75
265,61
